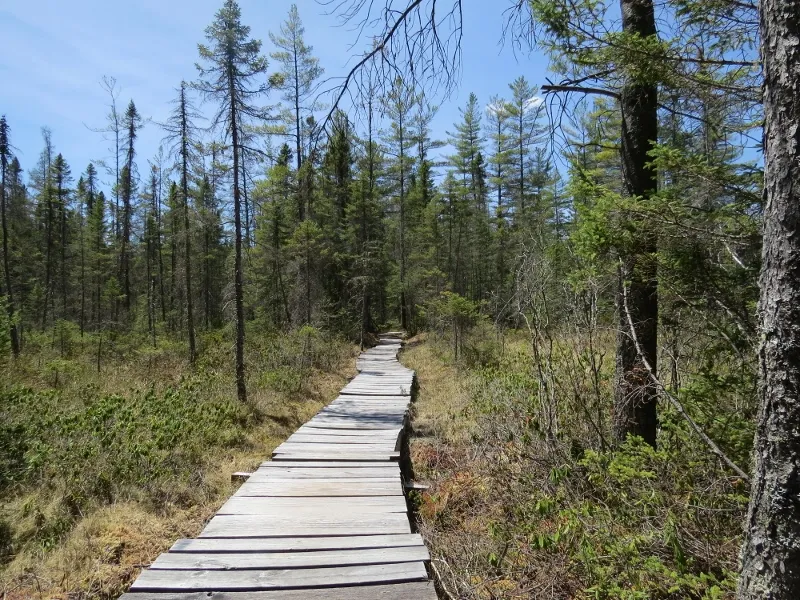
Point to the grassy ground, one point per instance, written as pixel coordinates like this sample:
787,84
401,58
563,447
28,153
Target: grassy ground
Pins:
509,515
101,471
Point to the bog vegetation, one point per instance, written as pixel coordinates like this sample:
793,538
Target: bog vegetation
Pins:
583,266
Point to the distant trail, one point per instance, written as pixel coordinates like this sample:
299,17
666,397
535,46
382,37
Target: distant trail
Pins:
326,518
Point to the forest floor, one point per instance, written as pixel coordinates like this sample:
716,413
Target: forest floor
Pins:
508,515
101,471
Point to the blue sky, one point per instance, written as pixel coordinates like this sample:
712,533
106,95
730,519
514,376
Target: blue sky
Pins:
54,54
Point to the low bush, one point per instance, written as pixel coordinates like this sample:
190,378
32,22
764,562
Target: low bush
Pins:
512,513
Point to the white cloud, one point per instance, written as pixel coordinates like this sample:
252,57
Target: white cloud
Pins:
532,103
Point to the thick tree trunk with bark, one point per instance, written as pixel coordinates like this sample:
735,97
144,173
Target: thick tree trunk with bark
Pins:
634,396
771,551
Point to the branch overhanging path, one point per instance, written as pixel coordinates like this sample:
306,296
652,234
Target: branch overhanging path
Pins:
325,518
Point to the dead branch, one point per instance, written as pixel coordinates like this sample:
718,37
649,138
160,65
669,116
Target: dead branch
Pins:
672,399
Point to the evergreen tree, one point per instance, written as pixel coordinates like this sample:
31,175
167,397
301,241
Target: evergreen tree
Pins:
299,70
524,112
399,105
233,61
5,157
62,177
500,166
181,132
131,122
276,195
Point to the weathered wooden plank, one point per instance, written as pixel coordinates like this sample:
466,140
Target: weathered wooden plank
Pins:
323,454
253,505
377,391
379,472
381,378
363,413
331,423
388,375
289,560
379,408
357,456
362,381
344,472
396,591
380,458
391,443
335,437
380,434
348,448
341,481
386,421
306,524
337,447
325,464
157,580
372,401
285,489
296,544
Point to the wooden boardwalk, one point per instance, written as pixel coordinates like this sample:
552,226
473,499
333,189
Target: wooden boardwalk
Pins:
325,518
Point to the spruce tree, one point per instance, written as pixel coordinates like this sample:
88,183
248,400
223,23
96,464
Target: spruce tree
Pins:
62,177
181,133
399,104
131,122
233,64
299,71
524,111
5,157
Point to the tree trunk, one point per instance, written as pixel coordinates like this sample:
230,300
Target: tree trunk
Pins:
771,551
62,196
48,251
124,262
187,236
241,389
6,262
403,307
297,128
634,396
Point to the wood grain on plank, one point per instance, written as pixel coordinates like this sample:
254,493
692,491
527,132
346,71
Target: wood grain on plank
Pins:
381,472
250,505
296,544
343,472
298,488
305,524
325,464
396,591
289,560
158,580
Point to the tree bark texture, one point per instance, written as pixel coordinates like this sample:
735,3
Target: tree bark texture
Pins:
634,396
771,550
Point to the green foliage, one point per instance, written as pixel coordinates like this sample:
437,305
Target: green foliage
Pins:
647,522
5,331
109,447
288,362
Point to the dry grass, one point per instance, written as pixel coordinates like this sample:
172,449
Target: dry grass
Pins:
440,407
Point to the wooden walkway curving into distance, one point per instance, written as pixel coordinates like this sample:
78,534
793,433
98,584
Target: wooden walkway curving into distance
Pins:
325,518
